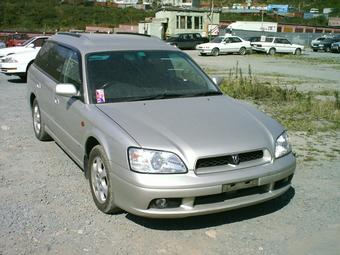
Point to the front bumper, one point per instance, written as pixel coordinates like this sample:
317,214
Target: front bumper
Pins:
260,49
205,194
12,68
335,48
204,51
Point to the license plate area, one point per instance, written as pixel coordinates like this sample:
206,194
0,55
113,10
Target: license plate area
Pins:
239,185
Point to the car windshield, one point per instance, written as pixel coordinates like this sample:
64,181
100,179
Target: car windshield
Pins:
144,75
28,42
218,39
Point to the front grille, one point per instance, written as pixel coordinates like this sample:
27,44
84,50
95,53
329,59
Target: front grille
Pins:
218,198
226,160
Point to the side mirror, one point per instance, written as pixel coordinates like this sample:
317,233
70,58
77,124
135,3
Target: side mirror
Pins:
31,45
217,80
66,90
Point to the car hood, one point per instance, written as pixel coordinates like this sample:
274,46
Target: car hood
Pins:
25,55
195,127
208,45
12,50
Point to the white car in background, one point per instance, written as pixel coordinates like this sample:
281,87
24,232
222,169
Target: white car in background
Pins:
30,45
17,60
224,45
272,45
18,63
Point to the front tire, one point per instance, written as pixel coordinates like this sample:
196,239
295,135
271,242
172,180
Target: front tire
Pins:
215,52
101,180
38,123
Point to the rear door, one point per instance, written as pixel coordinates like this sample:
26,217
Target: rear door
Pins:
44,81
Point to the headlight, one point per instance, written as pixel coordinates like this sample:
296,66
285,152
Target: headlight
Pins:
155,162
282,145
10,60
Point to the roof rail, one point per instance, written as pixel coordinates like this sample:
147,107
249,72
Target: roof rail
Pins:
131,33
70,34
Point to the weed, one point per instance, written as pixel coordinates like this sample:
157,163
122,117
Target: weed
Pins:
295,110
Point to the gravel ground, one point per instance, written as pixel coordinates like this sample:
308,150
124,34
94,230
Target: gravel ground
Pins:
313,71
47,208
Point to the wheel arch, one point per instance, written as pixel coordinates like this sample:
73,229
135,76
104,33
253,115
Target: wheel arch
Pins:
90,143
32,97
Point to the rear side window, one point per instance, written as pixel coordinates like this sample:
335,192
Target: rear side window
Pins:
61,63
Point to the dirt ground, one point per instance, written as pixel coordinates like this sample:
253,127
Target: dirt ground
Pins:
47,208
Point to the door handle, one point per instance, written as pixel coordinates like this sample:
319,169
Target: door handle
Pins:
56,100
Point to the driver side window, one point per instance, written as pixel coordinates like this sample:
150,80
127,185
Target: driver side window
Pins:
71,70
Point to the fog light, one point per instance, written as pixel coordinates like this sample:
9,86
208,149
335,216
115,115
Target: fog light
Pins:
161,203
165,203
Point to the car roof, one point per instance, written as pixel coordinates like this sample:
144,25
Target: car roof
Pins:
87,43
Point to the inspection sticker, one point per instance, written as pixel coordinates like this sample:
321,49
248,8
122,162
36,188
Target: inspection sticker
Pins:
100,96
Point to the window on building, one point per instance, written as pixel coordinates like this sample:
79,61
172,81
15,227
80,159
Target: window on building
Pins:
189,22
177,22
298,30
196,22
182,22
201,22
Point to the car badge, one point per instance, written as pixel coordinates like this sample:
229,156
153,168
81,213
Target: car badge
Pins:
235,159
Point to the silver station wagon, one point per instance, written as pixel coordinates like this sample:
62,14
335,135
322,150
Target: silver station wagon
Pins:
153,133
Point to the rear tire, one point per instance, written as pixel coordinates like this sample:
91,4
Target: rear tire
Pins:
38,123
297,52
101,181
215,52
272,51
243,51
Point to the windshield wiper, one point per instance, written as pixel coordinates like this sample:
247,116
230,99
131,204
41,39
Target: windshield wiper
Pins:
205,93
158,96
166,96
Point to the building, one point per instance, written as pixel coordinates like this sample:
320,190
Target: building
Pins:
181,3
170,21
278,8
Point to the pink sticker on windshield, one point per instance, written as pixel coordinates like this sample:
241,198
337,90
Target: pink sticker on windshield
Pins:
100,96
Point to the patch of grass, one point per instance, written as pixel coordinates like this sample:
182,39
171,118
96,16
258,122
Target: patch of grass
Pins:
295,110
309,158
310,60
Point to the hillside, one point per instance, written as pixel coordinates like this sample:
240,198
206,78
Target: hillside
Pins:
49,15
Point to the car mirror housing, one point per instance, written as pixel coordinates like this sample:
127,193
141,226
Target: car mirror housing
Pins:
66,90
217,80
31,45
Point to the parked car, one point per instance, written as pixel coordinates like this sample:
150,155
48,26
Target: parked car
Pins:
18,63
186,40
317,41
2,44
154,134
30,45
224,45
335,47
326,44
272,45
16,39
